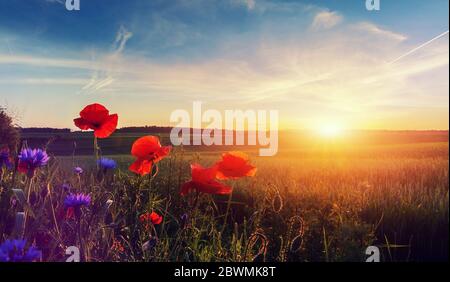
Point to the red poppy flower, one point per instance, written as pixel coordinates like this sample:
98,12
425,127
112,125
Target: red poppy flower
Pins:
151,217
204,180
234,165
148,151
97,118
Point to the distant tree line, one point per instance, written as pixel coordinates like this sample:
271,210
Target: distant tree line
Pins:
145,129
44,130
132,129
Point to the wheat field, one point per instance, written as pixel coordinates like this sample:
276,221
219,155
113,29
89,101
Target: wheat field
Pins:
303,205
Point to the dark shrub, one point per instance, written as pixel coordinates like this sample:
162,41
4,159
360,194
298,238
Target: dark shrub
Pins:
9,135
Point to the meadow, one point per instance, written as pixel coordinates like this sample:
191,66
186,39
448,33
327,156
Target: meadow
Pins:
323,202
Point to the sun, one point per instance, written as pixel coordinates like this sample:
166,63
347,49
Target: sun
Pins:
330,130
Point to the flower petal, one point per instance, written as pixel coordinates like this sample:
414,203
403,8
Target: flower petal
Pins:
145,146
141,167
201,174
94,113
162,153
234,165
82,124
108,126
155,218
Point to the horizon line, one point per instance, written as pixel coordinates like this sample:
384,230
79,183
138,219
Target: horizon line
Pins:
191,128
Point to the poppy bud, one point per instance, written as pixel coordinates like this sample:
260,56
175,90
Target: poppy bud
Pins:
296,244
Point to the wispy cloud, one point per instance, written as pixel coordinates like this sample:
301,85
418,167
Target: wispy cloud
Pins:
104,77
339,73
28,60
250,4
62,2
326,20
123,35
378,31
44,81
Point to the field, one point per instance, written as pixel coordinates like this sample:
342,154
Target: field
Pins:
325,202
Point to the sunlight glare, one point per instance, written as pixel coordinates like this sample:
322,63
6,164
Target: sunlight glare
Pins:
330,130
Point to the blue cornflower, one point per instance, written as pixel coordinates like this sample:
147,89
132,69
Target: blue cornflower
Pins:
15,251
77,200
106,163
31,159
5,160
78,170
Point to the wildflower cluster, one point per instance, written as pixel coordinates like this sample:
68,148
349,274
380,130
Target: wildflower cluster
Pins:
73,202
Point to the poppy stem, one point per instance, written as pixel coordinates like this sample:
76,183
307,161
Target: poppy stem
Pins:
96,150
53,212
29,184
197,195
150,182
16,163
80,241
226,213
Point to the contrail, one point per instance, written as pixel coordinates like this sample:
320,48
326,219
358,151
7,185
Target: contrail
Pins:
419,47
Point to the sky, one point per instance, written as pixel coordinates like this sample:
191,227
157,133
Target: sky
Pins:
319,63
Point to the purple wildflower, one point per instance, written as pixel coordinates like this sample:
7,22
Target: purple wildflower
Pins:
78,170
106,163
5,159
77,200
30,160
15,251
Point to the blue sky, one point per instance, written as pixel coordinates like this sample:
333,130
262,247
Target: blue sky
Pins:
315,61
